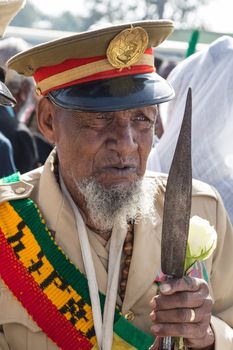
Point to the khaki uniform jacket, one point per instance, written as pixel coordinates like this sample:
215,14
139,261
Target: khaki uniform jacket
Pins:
19,332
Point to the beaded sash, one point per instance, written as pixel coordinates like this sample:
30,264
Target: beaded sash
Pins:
52,289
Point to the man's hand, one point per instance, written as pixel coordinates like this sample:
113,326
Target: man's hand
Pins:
183,309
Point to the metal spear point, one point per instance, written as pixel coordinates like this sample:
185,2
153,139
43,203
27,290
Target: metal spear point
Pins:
177,207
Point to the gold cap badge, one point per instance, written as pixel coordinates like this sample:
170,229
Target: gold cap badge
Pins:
127,47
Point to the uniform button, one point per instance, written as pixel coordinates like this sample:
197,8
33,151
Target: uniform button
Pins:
20,190
129,316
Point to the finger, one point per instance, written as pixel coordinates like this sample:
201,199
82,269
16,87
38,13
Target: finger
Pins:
182,300
184,330
204,342
186,283
187,315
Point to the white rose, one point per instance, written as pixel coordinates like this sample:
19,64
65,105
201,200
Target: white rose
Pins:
202,240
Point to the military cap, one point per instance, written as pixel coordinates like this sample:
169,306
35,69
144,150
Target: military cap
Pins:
100,70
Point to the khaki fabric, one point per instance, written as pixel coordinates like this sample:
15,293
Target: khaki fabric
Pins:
19,332
8,9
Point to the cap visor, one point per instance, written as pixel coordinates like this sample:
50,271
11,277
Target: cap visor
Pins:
113,94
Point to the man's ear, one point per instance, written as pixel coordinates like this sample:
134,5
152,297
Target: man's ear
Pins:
45,119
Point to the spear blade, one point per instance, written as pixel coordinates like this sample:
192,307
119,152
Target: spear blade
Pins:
177,205
177,208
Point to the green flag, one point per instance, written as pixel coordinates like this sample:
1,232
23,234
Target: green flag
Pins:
192,43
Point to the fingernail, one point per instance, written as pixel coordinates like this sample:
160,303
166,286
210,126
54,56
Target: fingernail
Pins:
155,328
164,288
153,303
152,316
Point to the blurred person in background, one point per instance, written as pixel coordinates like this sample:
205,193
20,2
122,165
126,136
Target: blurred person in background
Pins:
7,11
166,67
21,88
209,74
7,165
24,91
163,67
12,123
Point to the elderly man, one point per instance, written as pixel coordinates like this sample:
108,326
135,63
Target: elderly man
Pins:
80,238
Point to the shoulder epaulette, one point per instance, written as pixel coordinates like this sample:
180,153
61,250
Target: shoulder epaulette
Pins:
12,188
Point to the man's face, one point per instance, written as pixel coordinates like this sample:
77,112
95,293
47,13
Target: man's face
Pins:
111,147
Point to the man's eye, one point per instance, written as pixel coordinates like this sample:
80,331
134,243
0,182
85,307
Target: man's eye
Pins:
100,116
142,121
141,117
104,116
101,120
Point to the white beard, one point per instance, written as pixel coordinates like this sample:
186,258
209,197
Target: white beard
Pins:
119,203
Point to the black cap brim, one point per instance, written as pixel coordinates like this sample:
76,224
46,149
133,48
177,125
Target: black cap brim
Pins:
6,98
121,93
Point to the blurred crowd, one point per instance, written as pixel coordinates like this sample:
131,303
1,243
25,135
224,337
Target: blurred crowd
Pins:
22,147
209,74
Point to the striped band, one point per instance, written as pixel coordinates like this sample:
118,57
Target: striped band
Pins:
77,71
32,260
16,277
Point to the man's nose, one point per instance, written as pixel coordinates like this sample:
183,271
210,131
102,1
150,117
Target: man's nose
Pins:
122,140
